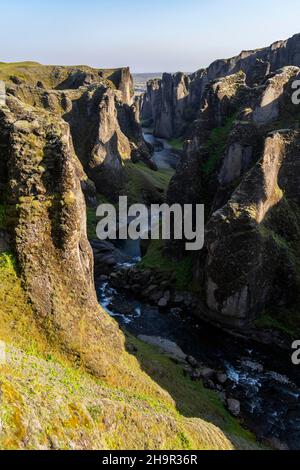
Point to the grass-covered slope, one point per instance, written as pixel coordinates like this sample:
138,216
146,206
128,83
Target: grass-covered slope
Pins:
51,402
51,76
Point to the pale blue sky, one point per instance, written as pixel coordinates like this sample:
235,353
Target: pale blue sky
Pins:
149,36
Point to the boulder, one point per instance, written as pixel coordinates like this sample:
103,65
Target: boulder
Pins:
178,299
176,312
149,291
276,444
234,406
222,378
252,365
196,374
156,296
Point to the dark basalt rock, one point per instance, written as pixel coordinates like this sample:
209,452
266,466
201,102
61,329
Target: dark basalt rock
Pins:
241,160
173,102
46,218
102,118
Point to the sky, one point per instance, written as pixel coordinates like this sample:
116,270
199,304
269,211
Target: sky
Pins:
149,36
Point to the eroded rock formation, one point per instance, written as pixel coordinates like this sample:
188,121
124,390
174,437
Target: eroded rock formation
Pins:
46,217
250,264
67,381
98,105
241,159
173,102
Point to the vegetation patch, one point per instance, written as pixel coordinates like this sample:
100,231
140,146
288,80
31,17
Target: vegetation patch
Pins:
92,219
16,315
285,320
144,184
49,402
282,228
177,144
49,75
216,145
182,271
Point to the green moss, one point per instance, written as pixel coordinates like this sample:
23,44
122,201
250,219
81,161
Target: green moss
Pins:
283,321
281,228
181,270
91,222
2,216
191,398
216,145
65,404
177,144
92,219
279,241
16,315
185,442
144,184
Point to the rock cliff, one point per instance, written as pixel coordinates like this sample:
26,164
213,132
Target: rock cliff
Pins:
96,104
241,160
172,103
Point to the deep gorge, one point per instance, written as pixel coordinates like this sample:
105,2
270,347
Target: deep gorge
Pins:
182,352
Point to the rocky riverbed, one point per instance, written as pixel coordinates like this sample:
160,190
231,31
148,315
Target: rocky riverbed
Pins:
257,383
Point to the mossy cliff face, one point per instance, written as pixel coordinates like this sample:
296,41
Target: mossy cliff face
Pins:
241,161
95,103
206,141
173,102
67,381
46,212
249,263
49,401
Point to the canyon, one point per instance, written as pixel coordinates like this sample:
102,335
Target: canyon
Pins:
72,379
240,132
139,345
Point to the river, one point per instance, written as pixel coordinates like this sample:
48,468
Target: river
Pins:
261,377
164,156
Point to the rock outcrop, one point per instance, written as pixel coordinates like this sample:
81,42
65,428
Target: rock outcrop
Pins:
241,160
173,102
67,381
170,104
46,217
98,105
251,263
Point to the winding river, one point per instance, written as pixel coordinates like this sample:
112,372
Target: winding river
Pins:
261,377
164,157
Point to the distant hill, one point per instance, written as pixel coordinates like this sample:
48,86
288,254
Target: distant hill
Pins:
141,79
